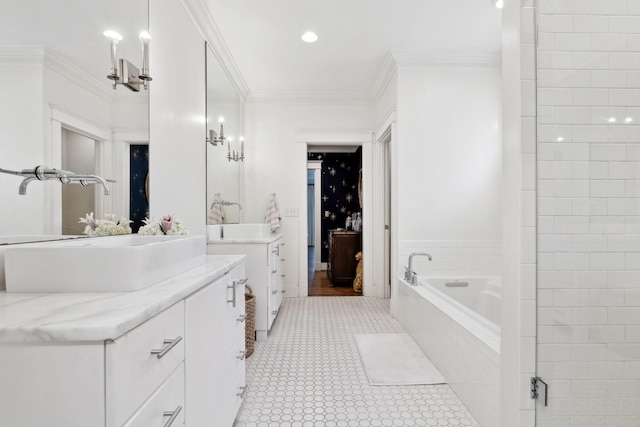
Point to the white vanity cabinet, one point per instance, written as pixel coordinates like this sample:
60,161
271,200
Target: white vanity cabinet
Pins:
169,355
113,383
264,271
215,351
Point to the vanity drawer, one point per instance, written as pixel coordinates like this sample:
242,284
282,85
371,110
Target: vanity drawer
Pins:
238,391
139,361
165,405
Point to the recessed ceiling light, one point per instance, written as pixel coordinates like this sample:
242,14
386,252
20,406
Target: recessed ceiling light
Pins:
498,3
310,37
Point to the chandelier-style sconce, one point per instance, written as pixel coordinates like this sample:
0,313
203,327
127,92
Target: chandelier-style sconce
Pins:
124,72
214,138
233,154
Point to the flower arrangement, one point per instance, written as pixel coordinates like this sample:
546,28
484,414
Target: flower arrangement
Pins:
108,226
167,224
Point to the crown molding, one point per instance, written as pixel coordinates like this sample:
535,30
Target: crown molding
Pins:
77,75
203,19
57,63
385,75
311,98
408,59
21,54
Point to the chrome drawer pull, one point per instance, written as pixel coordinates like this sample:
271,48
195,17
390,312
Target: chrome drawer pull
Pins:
243,390
232,287
283,291
274,292
283,260
282,275
241,354
243,281
274,271
242,318
163,351
173,415
274,312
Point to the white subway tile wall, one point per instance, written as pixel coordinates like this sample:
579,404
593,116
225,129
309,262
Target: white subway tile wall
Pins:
588,246
452,257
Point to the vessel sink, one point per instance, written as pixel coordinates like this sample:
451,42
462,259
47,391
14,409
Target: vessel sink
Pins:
245,231
100,264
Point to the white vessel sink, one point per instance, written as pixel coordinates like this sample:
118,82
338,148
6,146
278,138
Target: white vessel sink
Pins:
245,231
101,264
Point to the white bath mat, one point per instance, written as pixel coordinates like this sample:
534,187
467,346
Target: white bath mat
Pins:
395,359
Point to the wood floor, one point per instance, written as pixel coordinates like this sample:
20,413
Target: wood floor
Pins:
320,286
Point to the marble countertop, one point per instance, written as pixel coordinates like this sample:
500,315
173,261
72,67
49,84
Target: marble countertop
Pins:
269,239
99,316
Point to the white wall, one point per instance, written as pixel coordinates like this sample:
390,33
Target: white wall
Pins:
177,147
21,134
449,163
271,161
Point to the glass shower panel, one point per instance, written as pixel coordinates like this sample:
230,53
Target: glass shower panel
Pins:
588,219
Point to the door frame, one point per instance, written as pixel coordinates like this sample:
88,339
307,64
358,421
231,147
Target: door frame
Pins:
372,282
53,194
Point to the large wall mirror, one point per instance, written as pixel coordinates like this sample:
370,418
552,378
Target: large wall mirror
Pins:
59,109
225,115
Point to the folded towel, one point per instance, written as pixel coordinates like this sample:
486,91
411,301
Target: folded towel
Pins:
272,216
216,213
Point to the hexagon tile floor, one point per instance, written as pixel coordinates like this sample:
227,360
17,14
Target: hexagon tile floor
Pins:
309,373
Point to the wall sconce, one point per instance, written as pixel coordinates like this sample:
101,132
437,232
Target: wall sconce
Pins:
233,154
214,139
124,72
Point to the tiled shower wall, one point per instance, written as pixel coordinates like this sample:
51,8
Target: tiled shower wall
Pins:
589,211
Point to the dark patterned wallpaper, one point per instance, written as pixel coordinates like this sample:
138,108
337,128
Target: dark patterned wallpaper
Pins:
339,176
139,169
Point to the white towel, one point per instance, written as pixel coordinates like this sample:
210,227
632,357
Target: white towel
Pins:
273,214
216,213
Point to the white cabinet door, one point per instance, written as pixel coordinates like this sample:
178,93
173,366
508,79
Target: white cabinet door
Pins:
53,385
206,374
215,351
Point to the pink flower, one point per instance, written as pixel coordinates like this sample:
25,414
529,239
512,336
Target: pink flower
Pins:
166,222
89,220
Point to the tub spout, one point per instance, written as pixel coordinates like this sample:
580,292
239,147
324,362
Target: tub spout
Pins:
409,274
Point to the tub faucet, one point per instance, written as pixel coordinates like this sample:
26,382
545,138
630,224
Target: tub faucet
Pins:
409,274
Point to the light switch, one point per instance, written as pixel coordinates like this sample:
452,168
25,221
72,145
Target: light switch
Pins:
291,212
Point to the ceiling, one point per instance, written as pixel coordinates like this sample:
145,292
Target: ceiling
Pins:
355,38
73,29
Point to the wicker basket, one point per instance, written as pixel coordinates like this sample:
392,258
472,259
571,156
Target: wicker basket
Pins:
250,322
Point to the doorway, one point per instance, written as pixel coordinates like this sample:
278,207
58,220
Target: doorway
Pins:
79,156
334,218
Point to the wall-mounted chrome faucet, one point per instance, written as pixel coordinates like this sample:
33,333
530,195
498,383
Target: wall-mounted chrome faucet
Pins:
409,275
41,173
